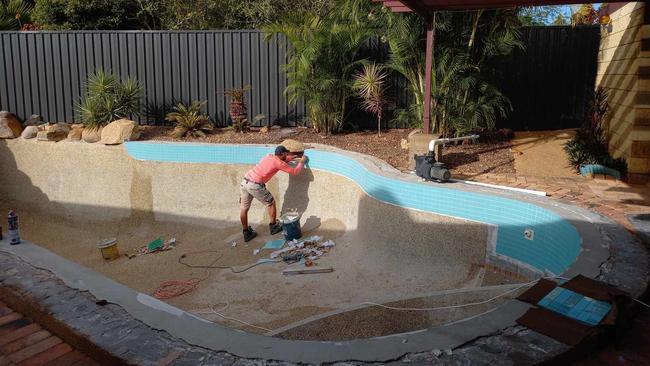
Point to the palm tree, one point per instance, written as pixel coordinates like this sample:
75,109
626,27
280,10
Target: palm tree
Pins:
370,85
13,14
325,53
463,96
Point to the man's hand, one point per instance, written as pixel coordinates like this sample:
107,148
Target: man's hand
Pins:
303,159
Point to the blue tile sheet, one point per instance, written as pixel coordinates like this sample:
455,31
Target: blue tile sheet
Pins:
575,306
555,247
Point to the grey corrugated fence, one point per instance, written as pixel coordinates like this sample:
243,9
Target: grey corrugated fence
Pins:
44,72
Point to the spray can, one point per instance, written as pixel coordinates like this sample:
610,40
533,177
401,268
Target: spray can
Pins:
14,234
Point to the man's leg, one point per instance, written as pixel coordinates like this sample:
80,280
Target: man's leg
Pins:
272,213
245,200
243,217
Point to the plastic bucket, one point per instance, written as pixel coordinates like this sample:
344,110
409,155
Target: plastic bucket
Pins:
291,226
108,248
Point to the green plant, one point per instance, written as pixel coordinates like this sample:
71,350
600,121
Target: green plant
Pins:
467,45
590,143
240,125
325,53
87,14
189,121
107,99
14,14
370,84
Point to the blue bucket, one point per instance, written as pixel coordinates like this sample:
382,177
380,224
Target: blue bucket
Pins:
291,226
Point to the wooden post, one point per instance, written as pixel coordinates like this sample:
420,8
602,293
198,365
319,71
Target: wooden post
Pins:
427,76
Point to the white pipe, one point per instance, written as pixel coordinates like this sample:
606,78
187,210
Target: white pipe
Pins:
433,143
515,189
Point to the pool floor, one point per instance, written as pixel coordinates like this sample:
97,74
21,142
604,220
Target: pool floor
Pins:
261,296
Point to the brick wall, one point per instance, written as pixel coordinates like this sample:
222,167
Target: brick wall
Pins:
624,70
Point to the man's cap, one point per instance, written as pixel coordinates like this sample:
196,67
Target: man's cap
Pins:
281,150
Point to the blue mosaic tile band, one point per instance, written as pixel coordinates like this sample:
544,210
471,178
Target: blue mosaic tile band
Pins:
575,306
555,246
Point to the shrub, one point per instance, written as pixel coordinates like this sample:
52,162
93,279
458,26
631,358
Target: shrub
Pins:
189,121
86,14
590,144
107,99
240,125
14,14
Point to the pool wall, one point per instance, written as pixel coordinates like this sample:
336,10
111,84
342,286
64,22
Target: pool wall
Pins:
555,244
87,183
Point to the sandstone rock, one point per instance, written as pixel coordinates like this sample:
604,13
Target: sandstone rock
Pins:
91,135
29,132
54,132
60,127
34,120
119,131
10,127
264,129
75,133
404,144
293,145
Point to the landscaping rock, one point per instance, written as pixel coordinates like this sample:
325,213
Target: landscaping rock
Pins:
60,127
10,127
119,131
34,120
76,133
29,132
293,145
54,132
404,144
264,129
91,135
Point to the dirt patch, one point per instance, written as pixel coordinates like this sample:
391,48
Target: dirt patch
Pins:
482,158
462,159
541,153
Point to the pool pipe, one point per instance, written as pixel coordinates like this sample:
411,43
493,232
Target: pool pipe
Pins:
434,143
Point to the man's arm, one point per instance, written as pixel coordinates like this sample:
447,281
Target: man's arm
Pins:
281,165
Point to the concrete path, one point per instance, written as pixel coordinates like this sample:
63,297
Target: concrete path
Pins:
541,153
23,343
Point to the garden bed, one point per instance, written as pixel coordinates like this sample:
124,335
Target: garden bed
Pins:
462,159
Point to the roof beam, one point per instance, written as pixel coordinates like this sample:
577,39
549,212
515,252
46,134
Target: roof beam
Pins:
419,7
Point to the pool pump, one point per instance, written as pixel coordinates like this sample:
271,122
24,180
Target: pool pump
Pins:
428,168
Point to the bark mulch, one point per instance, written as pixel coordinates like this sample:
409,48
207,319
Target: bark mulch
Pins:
467,160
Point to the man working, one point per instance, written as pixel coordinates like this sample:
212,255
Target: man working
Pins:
254,186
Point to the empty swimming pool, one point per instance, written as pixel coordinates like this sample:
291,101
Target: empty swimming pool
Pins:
398,240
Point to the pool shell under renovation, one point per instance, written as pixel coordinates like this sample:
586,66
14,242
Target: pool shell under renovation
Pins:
563,241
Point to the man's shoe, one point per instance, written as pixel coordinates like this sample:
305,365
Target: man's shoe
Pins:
275,228
249,234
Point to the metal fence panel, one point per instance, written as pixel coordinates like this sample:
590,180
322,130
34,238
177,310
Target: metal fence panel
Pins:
551,82
44,73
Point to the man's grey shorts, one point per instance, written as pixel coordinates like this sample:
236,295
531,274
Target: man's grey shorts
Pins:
249,190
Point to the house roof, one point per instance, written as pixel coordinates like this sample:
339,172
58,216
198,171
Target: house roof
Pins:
426,7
